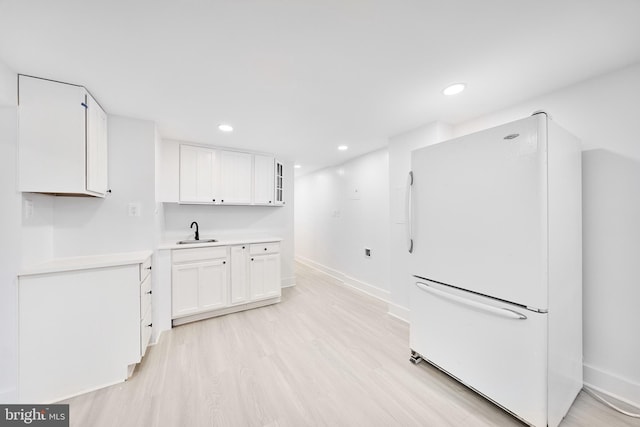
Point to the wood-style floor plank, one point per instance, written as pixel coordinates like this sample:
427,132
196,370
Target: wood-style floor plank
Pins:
327,355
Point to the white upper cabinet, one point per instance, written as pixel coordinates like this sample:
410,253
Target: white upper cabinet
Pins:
263,180
279,183
235,177
197,179
62,141
96,147
224,177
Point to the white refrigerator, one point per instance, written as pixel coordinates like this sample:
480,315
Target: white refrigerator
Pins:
496,256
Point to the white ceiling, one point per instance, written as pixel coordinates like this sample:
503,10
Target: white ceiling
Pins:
300,77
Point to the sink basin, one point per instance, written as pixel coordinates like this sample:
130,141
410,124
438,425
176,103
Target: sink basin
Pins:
189,242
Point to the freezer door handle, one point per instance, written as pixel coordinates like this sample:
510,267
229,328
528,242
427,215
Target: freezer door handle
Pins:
409,213
500,311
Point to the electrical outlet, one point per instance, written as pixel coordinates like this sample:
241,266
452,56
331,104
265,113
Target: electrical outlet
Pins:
367,252
134,209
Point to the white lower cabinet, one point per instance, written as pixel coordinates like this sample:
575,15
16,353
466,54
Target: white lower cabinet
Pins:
264,268
81,329
199,280
211,281
239,274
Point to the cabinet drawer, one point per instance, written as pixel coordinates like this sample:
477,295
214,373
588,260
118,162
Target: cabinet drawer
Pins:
146,327
145,269
198,254
264,248
145,296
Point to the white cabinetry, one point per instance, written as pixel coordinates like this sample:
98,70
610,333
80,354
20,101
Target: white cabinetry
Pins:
264,267
210,281
62,139
197,180
235,177
239,274
223,177
279,183
81,329
146,323
263,180
199,280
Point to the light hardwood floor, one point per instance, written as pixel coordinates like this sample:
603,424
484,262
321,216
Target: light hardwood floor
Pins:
326,355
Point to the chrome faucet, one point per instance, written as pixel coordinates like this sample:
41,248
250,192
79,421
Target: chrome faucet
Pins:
197,233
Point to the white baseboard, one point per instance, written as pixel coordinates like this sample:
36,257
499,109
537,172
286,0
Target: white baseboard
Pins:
612,385
288,281
352,282
322,268
368,289
399,312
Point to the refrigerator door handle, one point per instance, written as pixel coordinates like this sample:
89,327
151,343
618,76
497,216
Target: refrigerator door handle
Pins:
503,312
409,209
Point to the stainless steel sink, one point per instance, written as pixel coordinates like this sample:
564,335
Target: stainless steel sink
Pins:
189,242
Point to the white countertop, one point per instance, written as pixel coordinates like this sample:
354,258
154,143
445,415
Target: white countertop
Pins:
86,262
221,242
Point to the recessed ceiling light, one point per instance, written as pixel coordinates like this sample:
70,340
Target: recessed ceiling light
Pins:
342,147
297,166
454,89
225,128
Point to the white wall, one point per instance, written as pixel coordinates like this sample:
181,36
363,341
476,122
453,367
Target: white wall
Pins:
91,225
37,228
400,148
11,243
342,210
605,113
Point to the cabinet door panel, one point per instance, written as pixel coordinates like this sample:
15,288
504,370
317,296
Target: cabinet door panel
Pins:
212,285
272,284
279,183
51,127
265,276
185,289
235,176
188,173
196,174
96,147
239,291
263,180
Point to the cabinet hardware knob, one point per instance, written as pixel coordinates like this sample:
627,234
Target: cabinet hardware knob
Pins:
224,262
149,325
149,293
269,201
148,268
222,201
265,249
251,259
243,247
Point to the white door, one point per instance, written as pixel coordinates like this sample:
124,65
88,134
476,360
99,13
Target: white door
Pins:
479,212
263,180
265,276
235,177
212,285
496,348
96,147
